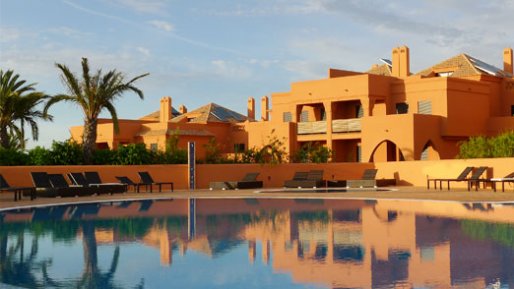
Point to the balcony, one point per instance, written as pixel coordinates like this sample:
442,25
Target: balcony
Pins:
312,127
338,125
346,125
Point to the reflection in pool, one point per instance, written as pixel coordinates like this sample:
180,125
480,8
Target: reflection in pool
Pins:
259,243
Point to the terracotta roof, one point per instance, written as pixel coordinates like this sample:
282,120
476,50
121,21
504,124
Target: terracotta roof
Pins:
383,69
463,65
156,115
211,113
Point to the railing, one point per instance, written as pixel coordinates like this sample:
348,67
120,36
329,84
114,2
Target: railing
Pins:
346,125
312,127
338,125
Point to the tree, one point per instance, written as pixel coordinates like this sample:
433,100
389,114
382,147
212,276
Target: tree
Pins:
94,93
18,102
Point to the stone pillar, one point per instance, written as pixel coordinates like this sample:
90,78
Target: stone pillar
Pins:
165,111
328,113
182,109
264,108
507,60
251,108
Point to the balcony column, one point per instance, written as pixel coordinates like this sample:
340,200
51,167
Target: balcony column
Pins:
367,106
328,113
296,113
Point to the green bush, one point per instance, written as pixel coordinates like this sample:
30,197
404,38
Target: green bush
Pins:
134,154
312,153
104,157
13,157
213,152
39,156
500,146
503,145
66,153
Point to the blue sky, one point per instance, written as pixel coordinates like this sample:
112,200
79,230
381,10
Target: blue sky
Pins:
224,51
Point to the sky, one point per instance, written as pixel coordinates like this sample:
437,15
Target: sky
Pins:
223,51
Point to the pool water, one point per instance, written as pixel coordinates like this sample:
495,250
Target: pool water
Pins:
259,243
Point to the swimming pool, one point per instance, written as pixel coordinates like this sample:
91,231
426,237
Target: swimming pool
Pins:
259,243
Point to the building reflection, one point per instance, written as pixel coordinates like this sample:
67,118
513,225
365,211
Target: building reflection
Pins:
338,244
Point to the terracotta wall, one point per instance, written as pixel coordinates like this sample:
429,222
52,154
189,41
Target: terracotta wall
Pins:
408,173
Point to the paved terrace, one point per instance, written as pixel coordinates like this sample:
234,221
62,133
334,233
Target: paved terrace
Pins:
406,193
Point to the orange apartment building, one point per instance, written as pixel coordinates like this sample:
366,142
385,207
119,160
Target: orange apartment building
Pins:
384,114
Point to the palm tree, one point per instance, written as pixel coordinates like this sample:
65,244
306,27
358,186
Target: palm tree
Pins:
94,93
18,102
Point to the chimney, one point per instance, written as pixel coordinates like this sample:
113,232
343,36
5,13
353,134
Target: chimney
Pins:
251,108
404,61
395,70
264,108
507,60
182,109
165,112
401,62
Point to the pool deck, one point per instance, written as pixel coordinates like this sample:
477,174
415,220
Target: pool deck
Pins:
405,193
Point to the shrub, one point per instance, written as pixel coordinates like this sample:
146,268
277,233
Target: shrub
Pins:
39,156
104,157
312,153
134,154
482,147
13,157
503,145
174,154
213,152
272,153
66,153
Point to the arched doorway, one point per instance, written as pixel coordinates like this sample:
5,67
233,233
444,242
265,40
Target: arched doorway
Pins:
429,152
386,151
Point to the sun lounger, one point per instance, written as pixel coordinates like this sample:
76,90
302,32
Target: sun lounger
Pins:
147,180
473,179
249,181
18,191
59,182
366,181
493,181
80,179
311,179
54,185
129,183
461,178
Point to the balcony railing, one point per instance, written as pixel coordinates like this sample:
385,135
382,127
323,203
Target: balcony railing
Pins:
338,125
312,127
346,125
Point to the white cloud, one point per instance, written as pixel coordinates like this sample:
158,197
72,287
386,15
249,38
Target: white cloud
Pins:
9,34
272,7
229,69
147,6
163,25
144,51
68,32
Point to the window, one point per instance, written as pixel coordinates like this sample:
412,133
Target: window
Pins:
304,116
424,107
287,117
444,74
402,108
512,110
358,153
424,154
239,147
153,147
323,114
359,111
